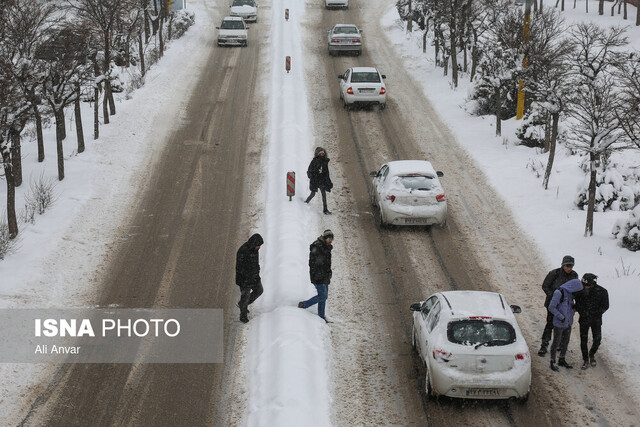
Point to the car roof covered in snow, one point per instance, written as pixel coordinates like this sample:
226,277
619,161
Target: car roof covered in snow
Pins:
407,167
365,70
345,25
476,303
232,18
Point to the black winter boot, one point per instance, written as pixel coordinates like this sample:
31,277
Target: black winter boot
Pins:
585,365
542,351
553,366
592,359
562,362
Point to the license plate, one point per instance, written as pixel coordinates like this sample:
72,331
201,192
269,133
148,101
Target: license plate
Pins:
484,392
414,221
366,90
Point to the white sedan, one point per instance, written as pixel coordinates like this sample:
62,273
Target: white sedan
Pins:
344,38
408,192
472,346
336,4
232,32
245,9
362,86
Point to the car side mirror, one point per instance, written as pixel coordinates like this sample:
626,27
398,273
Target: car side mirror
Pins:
246,28
340,77
384,76
328,31
217,28
415,306
516,309
373,174
440,174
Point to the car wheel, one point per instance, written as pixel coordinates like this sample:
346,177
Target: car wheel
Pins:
525,398
413,337
330,52
373,199
383,106
246,43
345,105
427,387
381,221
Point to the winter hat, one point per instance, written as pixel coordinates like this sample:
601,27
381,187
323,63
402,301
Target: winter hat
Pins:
589,279
327,234
320,150
568,260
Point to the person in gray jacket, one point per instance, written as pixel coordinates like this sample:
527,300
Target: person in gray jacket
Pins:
562,308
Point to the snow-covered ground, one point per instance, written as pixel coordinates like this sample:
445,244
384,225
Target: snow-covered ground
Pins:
54,262
549,217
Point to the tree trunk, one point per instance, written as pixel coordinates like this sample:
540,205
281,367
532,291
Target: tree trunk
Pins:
105,105
547,132
141,54
410,20
16,156
40,137
424,41
638,15
59,138
552,150
601,7
160,38
465,62
109,94
562,6
96,112
624,16
498,111
454,61
588,229
147,29
169,27
12,220
78,115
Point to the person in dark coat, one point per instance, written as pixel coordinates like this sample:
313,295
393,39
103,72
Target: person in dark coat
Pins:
248,274
562,308
555,278
320,271
591,303
319,179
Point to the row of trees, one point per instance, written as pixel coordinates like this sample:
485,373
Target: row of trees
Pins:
56,53
578,75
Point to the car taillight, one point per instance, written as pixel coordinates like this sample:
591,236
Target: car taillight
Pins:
441,197
479,317
350,91
442,355
382,91
522,356
335,41
391,197
356,40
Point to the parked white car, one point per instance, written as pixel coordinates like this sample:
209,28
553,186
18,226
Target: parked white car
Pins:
362,86
408,192
246,9
344,38
472,346
336,4
232,32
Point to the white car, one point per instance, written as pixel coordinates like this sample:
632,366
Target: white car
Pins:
408,192
246,9
472,346
362,86
344,38
336,4
232,32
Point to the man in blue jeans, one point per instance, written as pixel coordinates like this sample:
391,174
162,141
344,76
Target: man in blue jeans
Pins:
320,271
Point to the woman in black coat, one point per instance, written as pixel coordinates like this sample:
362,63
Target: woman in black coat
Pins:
319,179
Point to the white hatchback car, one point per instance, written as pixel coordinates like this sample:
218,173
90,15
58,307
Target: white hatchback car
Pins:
336,4
408,192
344,38
362,86
232,32
472,346
246,9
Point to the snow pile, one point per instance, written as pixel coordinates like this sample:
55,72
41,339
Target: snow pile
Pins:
627,231
617,189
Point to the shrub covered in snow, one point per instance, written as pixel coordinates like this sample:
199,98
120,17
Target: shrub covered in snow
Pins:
482,98
181,22
617,189
532,130
627,231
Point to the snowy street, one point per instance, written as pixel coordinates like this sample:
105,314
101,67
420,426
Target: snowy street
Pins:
215,174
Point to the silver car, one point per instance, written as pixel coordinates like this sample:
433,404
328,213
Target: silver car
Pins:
344,38
232,32
336,4
408,192
362,86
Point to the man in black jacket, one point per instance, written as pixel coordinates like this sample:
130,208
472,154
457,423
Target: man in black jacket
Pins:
320,271
555,278
591,303
248,274
319,179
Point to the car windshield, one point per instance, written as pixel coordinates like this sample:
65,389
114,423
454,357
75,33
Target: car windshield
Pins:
232,25
243,3
417,182
345,30
481,331
365,77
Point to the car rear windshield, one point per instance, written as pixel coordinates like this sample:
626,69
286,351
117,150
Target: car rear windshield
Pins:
417,182
232,25
369,77
243,2
481,331
345,30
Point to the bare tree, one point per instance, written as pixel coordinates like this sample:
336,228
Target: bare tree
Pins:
628,113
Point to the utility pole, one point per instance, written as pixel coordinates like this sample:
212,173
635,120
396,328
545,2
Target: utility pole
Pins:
525,32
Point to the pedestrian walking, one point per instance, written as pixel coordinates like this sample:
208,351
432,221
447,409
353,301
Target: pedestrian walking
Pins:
248,274
319,179
562,308
591,303
555,278
320,271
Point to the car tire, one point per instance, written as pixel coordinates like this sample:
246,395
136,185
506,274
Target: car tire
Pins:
383,106
381,221
525,398
427,384
246,43
413,338
345,105
330,52
373,199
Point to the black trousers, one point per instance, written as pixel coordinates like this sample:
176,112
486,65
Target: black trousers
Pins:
548,328
596,331
561,337
248,294
324,198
